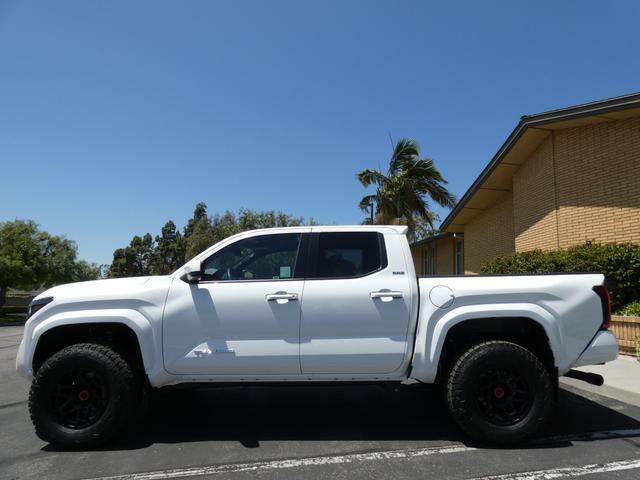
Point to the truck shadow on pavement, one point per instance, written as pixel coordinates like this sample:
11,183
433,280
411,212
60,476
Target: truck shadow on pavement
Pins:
250,415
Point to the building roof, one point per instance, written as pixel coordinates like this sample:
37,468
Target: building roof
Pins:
436,237
496,177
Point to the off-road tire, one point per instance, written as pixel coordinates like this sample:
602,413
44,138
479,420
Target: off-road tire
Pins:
466,392
120,403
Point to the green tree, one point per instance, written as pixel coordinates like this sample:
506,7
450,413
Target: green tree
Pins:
423,228
83,271
250,219
134,260
401,194
169,251
32,258
203,231
199,215
199,233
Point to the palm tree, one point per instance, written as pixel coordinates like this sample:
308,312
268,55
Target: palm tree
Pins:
400,194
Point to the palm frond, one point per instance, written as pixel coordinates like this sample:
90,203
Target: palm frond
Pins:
405,150
428,180
366,202
369,177
403,194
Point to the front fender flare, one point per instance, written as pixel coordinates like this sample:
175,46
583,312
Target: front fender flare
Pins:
138,323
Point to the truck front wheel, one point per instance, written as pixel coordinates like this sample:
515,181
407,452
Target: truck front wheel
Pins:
82,396
499,392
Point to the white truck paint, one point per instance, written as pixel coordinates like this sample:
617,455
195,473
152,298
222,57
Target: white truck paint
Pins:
388,325
311,304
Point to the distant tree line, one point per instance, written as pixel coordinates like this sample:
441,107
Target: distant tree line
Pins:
31,258
146,255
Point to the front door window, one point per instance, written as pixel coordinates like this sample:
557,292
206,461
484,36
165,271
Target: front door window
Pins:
266,257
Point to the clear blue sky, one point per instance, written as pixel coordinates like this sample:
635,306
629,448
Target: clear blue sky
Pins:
117,116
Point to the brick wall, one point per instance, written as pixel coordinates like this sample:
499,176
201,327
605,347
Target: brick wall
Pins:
489,235
598,180
444,256
534,201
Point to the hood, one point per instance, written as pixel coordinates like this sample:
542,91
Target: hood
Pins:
111,287
143,294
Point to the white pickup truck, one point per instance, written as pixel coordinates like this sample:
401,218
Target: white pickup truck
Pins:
311,304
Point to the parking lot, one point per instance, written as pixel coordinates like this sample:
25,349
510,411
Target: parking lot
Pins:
320,432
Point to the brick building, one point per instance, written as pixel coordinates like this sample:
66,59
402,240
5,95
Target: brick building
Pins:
561,178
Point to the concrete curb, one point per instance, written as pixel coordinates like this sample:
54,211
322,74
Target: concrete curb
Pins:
12,324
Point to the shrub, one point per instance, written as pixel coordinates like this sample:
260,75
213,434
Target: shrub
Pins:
632,309
14,309
619,262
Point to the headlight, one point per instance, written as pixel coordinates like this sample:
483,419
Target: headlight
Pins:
36,305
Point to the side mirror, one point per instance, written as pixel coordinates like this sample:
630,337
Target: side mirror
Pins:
191,276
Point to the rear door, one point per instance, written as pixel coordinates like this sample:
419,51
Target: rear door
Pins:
355,309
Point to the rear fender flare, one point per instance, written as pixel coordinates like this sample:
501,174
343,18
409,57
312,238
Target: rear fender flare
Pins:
425,368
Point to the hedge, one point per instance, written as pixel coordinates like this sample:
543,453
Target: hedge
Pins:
631,309
14,309
619,262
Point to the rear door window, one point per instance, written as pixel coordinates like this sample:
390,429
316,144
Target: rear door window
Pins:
347,254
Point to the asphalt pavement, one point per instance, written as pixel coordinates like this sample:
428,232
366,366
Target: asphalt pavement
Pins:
321,432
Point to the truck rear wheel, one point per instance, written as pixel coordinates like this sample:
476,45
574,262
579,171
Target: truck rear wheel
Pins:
82,396
499,392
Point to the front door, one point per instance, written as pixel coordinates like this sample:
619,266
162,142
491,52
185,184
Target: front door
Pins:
243,318
355,311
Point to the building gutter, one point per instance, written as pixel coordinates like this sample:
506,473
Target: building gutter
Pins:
435,238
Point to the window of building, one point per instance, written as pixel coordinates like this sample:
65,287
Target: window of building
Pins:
265,257
349,254
459,257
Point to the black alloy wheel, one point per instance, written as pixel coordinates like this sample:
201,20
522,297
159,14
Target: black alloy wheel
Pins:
79,398
83,396
504,396
499,392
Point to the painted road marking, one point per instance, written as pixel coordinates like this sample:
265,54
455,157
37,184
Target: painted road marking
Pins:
567,471
399,454
290,463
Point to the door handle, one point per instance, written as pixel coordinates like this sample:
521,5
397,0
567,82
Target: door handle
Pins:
281,297
385,294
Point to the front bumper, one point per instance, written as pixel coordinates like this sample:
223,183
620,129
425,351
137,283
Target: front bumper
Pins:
603,348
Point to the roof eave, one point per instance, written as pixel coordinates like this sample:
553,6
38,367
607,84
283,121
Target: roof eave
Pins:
528,121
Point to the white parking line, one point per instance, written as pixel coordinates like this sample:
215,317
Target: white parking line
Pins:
570,472
290,463
400,454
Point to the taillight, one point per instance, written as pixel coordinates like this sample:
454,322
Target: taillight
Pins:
605,299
